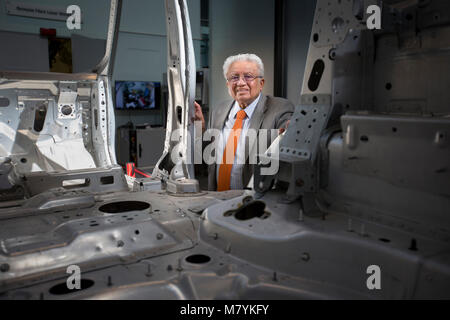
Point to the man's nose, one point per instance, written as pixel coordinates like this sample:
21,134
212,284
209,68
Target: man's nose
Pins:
241,81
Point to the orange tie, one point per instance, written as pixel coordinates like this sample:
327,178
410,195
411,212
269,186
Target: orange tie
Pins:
223,184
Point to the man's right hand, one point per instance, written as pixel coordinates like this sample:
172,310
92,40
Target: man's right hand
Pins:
199,115
281,130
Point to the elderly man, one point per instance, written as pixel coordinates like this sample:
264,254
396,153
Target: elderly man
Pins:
249,110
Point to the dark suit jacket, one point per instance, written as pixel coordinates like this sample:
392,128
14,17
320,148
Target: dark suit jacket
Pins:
270,113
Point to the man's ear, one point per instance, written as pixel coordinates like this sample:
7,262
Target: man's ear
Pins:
262,83
230,92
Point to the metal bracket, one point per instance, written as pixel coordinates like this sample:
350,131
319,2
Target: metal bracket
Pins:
67,101
93,180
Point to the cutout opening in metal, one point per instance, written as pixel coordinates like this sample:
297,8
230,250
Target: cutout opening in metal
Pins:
4,102
107,180
316,75
198,259
124,206
179,111
316,37
76,183
61,288
251,210
66,110
39,118
96,118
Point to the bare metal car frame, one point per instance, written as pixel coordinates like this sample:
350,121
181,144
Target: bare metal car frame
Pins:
363,180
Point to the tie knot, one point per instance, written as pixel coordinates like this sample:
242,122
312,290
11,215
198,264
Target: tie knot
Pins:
241,115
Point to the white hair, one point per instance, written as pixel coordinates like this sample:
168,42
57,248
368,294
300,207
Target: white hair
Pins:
243,57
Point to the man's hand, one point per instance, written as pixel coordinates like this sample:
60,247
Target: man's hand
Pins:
199,115
281,130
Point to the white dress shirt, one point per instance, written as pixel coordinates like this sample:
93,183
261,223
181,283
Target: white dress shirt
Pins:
239,160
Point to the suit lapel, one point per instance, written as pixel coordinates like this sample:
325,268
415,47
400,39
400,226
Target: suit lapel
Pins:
222,114
256,122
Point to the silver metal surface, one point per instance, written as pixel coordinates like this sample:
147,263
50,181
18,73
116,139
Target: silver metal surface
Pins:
106,64
366,183
181,72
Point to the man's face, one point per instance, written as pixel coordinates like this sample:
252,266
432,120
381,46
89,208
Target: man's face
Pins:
244,92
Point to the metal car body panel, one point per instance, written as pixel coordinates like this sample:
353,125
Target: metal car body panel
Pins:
363,178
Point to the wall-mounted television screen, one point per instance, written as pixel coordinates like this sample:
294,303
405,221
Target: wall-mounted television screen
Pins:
132,95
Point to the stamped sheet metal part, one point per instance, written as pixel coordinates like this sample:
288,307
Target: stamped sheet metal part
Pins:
177,162
53,124
299,146
357,186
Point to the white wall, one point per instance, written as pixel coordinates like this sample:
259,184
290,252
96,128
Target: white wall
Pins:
240,26
94,15
144,16
142,48
235,26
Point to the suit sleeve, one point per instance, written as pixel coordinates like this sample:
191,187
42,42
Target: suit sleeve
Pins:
285,114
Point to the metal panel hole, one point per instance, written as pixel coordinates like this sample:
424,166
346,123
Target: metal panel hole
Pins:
124,206
76,183
4,102
316,37
39,118
179,113
316,75
66,110
385,240
198,259
364,138
332,54
252,210
228,214
96,118
413,246
337,24
4,267
107,180
61,288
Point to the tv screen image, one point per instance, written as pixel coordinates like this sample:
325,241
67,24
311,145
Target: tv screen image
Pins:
137,95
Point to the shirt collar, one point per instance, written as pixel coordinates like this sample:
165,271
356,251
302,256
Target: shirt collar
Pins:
248,110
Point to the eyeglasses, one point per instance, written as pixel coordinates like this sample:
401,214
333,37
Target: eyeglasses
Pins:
247,78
